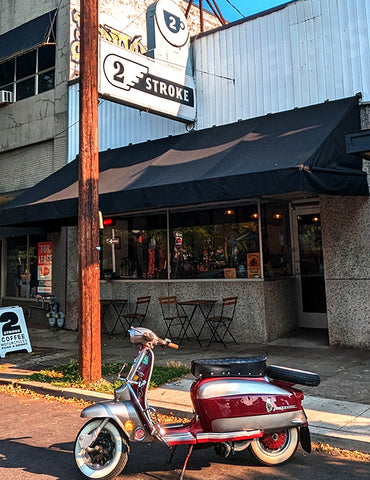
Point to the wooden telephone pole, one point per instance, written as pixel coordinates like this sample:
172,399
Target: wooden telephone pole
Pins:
88,208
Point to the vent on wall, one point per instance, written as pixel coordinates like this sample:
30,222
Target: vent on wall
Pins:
5,97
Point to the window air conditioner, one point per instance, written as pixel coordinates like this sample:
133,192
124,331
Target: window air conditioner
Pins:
5,97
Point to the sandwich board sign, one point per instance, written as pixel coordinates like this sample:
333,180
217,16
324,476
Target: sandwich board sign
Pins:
13,331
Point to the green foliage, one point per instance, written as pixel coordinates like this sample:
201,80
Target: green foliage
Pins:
68,376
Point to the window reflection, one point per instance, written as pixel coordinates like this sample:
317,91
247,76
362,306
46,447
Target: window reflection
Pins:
276,240
135,248
212,244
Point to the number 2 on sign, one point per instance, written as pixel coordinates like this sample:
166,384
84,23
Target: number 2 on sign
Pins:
119,75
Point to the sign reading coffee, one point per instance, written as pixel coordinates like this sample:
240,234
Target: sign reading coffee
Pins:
13,331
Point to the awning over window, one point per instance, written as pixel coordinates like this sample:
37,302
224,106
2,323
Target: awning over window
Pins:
28,36
301,150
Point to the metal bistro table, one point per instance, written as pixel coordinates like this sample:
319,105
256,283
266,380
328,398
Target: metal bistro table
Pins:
117,306
204,306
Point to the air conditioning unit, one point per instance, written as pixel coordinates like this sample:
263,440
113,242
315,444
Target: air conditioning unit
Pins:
5,97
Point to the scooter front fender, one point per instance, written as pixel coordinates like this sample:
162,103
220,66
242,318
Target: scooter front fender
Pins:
123,413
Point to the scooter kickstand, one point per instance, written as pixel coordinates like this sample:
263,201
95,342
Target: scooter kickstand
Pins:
171,454
186,462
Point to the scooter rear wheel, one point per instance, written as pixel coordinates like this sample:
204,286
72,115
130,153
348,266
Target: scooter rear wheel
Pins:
108,455
275,448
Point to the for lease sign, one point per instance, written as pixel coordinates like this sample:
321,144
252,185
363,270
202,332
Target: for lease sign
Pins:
44,267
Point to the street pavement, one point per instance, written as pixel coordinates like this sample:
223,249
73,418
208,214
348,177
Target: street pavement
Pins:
338,409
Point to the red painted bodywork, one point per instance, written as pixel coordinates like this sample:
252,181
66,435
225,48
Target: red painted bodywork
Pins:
240,405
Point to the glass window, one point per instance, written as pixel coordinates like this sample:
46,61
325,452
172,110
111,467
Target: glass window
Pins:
46,57
21,265
214,243
26,88
34,72
6,75
46,81
26,65
276,240
134,247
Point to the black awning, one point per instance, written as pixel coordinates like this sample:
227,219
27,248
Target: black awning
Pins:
301,150
28,36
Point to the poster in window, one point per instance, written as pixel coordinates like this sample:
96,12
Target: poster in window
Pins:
230,272
253,265
44,267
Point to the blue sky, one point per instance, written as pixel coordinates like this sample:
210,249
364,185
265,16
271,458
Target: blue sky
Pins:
246,7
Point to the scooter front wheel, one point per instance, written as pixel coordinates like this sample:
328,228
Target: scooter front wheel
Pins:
106,457
275,448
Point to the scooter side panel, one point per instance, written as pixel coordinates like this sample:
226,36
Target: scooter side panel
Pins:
236,403
271,423
121,412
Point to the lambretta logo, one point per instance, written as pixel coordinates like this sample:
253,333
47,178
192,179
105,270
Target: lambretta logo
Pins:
270,407
127,74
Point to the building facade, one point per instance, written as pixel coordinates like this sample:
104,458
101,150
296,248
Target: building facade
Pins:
296,253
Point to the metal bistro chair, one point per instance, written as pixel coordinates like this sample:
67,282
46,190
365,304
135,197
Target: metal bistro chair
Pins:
173,316
138,316
220,324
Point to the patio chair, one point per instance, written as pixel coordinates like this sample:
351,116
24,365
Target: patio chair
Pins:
174,316
220,324
137,317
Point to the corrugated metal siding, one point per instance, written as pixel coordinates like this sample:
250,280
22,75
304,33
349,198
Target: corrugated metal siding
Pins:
306,53
119,125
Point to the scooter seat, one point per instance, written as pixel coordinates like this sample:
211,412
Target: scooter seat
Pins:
229,367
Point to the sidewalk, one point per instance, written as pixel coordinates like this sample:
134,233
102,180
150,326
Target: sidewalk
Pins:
338,409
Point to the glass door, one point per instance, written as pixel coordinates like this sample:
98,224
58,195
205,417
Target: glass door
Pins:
309,268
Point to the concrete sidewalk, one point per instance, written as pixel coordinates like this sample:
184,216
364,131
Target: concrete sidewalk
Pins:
338,410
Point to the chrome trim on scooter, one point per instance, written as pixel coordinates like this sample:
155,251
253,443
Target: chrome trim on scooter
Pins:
270,422
215,437
226,387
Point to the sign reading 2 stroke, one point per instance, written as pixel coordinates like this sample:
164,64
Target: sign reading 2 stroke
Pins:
141,82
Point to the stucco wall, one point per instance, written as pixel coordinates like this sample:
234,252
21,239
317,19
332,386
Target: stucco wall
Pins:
280,307
346,242
249,320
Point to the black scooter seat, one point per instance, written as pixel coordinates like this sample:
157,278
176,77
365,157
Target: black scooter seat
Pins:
229,367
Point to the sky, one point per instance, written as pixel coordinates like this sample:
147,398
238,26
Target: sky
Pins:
245,7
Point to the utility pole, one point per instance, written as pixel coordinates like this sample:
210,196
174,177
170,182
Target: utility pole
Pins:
88,195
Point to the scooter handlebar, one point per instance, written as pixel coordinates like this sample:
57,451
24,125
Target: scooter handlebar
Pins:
172,345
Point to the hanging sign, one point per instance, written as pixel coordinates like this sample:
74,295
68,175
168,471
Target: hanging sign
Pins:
138,81
13,331
44,267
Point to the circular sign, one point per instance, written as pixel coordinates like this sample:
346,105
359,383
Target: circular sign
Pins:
178,244
171,22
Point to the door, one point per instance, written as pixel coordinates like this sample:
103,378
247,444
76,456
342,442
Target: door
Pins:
309,268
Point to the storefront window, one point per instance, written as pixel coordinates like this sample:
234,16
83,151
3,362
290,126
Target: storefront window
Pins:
21,265
202,244
276,240
213,243
134,247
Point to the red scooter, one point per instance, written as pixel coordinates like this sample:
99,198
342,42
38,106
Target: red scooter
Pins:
238,403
